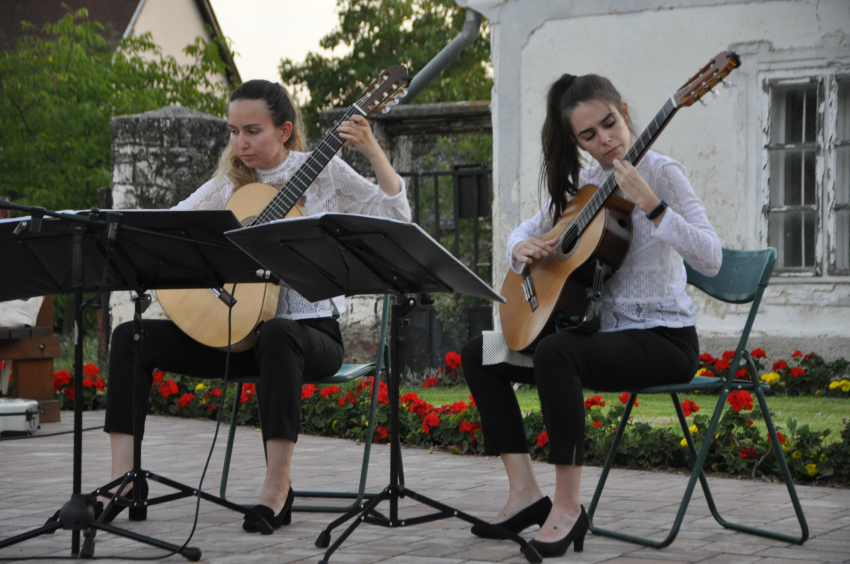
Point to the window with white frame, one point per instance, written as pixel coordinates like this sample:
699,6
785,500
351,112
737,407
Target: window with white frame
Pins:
808,210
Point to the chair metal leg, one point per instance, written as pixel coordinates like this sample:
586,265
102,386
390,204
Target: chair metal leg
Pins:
612,453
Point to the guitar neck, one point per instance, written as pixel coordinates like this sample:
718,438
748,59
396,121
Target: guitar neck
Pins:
633,156
292,191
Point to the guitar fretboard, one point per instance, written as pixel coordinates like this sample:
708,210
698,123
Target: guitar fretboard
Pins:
634,155
286,198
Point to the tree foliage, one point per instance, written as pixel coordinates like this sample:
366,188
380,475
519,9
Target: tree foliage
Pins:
59,90
380,33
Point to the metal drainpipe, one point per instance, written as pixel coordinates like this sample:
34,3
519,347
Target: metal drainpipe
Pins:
450,52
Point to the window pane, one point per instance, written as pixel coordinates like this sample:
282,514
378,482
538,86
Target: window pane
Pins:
842,239
842,175
792,176
843,132
794,114
793,235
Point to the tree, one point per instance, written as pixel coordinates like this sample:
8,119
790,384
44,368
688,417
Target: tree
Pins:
59,91
380,33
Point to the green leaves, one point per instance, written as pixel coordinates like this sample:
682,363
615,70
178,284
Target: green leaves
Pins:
59,91
379,33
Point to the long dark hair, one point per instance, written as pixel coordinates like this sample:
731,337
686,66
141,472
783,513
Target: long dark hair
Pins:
281,109
561,157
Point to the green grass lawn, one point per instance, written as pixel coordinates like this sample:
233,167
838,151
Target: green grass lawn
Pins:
818,413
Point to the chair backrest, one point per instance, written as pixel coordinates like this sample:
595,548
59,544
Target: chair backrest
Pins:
741,275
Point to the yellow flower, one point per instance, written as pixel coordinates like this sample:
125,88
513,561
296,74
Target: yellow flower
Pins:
812,469
693,429
200,387
845,385
703,371
797,455
781,383
717,436
771,378
367,423
684,442
785,448
333,425
833,385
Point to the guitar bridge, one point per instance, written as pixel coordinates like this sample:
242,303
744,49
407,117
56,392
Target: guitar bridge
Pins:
529,291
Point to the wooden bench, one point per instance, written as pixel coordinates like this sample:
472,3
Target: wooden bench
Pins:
32,350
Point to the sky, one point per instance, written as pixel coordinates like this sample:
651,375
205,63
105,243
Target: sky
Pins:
265,31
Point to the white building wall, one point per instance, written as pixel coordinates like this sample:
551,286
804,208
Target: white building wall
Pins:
650,49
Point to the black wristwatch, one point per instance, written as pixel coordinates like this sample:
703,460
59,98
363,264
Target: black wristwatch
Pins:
658,210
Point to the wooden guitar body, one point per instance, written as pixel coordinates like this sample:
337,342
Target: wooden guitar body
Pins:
560,283
202,315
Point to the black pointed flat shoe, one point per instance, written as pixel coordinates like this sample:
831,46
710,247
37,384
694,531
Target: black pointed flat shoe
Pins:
534,514
276,521
574,537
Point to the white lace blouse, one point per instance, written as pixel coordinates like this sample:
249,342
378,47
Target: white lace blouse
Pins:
337,189
649,289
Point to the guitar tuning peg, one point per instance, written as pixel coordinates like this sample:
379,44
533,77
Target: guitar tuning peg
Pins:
703,102
395,101
386,110
727,84
715,94
402,93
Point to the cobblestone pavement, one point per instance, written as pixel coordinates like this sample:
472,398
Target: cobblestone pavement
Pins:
36,479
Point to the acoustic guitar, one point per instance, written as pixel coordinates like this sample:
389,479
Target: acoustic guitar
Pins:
594,235
203,313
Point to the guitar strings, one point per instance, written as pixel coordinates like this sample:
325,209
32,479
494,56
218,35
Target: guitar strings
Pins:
573,231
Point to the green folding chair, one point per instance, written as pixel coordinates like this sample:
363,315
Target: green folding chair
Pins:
742,279
346,373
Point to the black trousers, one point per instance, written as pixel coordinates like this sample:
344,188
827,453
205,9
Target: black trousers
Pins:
286,354
564,364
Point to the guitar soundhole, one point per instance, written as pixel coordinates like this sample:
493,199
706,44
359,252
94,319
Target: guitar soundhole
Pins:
622,223
568,246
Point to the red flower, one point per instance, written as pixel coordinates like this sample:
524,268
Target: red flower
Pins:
739,400
328,390
248,391
214,393
69,392
458,406
420,407
796,353
778,436
722,364
808,356
797,372
381,433
597,423
749,421
409,397
781,365
429,421
728,355
624,398
758,353
307,391
383,392
595,400
88,382
689,407
429,383
543,438
706,358
747,452
91,369
185,400
471,401
168,388
61,378
99,383
157,377
452,360
741,374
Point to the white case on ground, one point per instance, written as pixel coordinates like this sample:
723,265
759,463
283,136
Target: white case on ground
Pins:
18,416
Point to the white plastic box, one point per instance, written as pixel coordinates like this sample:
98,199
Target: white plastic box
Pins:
18,417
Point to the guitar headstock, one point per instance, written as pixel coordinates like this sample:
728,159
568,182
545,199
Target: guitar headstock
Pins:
707,78
385,90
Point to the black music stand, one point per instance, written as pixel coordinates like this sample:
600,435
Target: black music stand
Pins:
328,255
111,251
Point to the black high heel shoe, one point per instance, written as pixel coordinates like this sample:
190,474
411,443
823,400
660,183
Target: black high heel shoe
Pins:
534,514
251,525
574,537
136,513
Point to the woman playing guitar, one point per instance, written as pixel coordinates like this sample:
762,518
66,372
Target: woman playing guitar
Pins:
303,340
647,334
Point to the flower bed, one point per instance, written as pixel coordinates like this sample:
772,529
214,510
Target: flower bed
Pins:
739,447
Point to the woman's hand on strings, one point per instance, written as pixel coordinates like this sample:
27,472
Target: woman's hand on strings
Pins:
634,186
358,132
533,249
